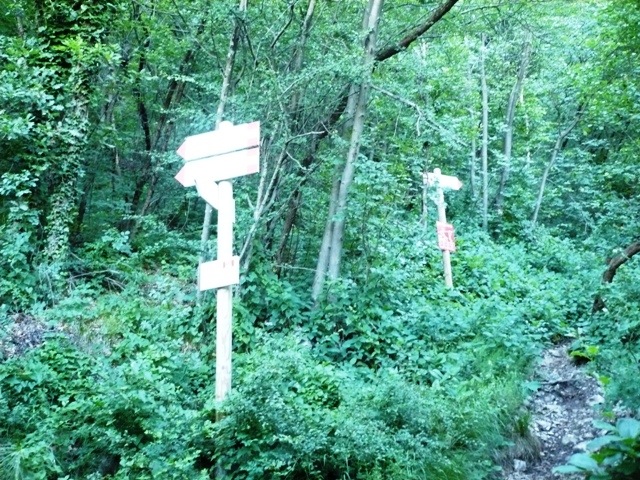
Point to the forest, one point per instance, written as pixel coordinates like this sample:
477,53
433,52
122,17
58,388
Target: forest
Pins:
352,358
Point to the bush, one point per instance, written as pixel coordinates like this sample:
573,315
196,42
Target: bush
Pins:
294,416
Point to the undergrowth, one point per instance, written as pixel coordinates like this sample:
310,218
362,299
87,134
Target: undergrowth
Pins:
394,377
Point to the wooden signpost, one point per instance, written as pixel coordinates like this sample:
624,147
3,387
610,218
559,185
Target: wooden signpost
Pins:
218,156
446,238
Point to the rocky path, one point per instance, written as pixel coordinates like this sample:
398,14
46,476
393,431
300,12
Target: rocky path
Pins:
562,411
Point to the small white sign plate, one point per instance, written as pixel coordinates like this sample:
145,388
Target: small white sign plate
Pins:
219,273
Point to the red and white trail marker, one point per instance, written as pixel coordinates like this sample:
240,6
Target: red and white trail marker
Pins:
446,237
219,273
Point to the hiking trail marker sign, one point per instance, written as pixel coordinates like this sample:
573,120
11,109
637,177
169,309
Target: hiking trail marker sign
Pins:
211,160
446,237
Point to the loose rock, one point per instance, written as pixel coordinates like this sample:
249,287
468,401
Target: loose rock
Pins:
562,413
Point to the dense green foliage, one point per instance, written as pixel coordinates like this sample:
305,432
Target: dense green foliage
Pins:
107,361
615,454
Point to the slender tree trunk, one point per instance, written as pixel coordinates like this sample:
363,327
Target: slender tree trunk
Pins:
323,257
163,132
485,136
425,194
554,155
264,202
472,169
509,117
159,140
335,251
267,192
325,247
299,57
473,114
612,267
289,221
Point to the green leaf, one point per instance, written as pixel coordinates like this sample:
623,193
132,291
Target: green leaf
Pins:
584,461
602,441
567,469
604,426
628,427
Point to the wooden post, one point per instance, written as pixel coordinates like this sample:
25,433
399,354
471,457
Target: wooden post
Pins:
211,157
224,313
442,217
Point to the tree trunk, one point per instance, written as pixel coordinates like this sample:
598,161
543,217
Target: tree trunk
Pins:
266,198
325,247
554,155
509,117
485,136
337,234
472,169
299,57
157,142
612,267
289,221
324,126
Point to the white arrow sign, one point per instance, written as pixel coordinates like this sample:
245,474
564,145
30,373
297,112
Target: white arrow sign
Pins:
223,140
222,167
208,191
219,273
445,181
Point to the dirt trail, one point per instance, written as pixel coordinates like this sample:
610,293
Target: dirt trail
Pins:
562,411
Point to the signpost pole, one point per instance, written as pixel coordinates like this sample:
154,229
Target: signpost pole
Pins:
224,313
230,151
442,217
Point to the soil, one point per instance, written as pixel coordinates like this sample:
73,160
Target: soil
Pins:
24,332
562,411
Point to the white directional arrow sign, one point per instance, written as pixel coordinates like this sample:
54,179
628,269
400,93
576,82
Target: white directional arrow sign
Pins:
218,142
445,181
208,191
222,167
218,156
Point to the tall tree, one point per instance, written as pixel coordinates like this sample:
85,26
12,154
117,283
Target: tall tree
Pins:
516,92
485,134
331,249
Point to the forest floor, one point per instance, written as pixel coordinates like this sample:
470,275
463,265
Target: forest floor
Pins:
562,411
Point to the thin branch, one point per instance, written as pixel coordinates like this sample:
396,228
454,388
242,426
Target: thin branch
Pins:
412,36
275,40
411,104
402,100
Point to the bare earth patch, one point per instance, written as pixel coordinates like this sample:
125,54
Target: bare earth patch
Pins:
23,333
562,412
